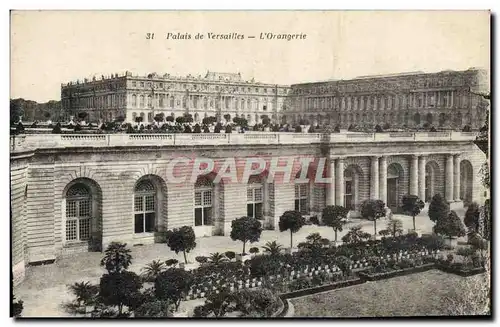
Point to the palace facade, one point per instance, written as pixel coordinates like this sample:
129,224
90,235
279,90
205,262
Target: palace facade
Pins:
72,193
215,94
446,100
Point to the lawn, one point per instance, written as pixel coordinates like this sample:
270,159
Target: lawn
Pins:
421,294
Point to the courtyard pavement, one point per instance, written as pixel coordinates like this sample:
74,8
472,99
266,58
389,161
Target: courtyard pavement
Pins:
45,287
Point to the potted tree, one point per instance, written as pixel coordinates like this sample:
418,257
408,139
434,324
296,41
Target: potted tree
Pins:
293,221
245,229
181,240
452,227
373,210
334,216
412,205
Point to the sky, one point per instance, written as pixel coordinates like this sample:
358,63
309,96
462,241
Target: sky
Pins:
53,47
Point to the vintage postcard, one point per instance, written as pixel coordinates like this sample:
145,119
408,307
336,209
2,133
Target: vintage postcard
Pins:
249,164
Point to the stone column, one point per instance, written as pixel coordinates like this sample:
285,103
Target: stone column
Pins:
421,178
339,182
383,179
414,175
330,188
449,178
374,178
456,175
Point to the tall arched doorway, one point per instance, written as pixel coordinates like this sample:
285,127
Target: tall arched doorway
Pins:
466,179
352,175
431,173
394,178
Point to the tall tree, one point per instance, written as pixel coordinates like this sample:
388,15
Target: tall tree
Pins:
181,240
172,285
292,221
412,205
450,226
246,229
373,210
334,216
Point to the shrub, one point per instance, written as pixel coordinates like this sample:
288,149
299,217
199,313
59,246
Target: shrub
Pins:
256,302
171,262
355,235
378,129
17,307
449,258
438,208
84,292
344,265
450,226
155,309
201,259
254,250
471,219
300,284
230,255
172,285
57,129
119,289
217,258
264,265
314,220
217,303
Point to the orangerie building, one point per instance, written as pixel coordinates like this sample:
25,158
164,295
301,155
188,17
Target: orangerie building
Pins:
73,193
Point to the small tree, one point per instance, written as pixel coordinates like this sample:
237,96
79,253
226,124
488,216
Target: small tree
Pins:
188,118
139,119
82,115
170,119
152,270
217,128
334,216
84,292
172,285
292,221
273,248
355,235
154,309
57,129
265,120
229,129
438,208
378,129
159,117
180,120
181,240
373,210
344,264
197,128
450,226
471,219
119,289
412,205
117,257
298,129
246,229
227,117
394,228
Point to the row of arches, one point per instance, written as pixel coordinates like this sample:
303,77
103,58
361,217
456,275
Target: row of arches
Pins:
82,198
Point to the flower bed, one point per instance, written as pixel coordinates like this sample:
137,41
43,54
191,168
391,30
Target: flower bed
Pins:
373,276
459,269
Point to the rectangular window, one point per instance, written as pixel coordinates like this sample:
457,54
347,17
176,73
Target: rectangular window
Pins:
348,195
71,230
134,83
254,202
302,198
139,223
203,207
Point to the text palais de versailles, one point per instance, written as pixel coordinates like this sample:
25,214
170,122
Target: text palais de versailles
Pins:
235,36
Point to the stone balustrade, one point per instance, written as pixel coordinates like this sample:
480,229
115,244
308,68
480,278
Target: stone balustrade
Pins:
33,141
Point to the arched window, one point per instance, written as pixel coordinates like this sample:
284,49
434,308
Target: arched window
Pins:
172,101
162,98
78,213
144,207
349,190
141,100
134,100
416,118
134,115
150,101
203,201
255,197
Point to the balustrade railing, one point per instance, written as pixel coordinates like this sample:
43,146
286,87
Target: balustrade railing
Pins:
33,141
